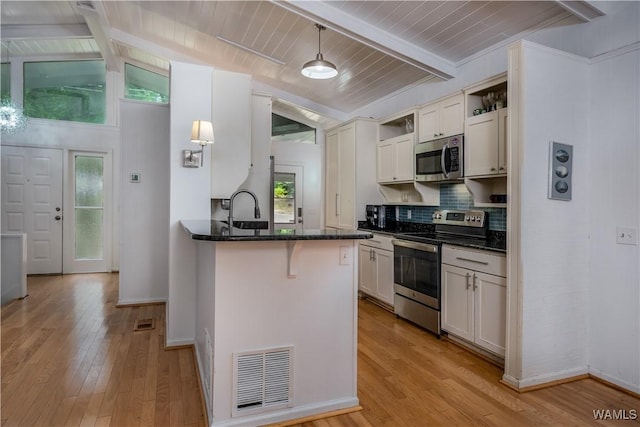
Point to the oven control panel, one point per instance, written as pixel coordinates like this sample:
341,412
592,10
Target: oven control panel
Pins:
471,218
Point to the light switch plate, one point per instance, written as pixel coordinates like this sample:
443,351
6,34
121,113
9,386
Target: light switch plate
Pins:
627,235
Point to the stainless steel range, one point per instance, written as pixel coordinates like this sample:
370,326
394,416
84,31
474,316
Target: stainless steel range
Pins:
416,264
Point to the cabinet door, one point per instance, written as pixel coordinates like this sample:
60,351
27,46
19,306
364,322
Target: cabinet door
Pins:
404,158
457,301
384,270
490,305
347,177
502,141
428,123
366,271
332,179
481,145
386,161
452,116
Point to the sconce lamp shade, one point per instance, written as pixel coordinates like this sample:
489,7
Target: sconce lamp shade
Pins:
202,132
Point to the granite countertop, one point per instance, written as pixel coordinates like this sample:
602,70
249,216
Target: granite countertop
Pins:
219,231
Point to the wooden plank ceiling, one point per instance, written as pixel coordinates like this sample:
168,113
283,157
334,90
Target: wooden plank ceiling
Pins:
379,47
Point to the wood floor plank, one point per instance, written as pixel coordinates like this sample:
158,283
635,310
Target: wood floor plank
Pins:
70,357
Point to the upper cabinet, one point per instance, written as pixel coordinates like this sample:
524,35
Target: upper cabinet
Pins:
442,118
485,129
395,149
350,178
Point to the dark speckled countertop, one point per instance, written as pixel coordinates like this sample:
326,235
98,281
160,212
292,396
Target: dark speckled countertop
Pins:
496,241
219,231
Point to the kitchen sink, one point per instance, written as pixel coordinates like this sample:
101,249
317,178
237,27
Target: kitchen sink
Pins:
250,225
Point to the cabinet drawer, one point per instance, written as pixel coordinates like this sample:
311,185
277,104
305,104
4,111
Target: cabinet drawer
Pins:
379,241
475,259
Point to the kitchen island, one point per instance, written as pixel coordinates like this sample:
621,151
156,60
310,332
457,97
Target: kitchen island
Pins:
276,321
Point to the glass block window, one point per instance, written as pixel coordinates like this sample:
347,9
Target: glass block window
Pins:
65,90
89,207
145,85
5,77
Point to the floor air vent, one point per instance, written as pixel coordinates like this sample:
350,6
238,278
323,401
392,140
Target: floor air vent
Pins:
262,380
144,325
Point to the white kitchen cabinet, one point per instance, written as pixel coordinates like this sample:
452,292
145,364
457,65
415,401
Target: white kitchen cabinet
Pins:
350,181
485,152
474,299
375,272
395,160
441,119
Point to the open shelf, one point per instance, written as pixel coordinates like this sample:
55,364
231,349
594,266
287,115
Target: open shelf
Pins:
398,125
481,190
411,193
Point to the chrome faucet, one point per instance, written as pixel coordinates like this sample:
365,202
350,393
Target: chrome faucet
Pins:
233,196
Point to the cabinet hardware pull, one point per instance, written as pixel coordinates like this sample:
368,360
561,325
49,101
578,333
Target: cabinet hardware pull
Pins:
468,284
472,260
493,169
370,254
501,168
474,281
337,205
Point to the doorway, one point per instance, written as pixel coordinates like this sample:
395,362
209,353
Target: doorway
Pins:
287,195
32,204
62,203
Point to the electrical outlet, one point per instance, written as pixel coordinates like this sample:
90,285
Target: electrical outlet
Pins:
408,213
627,235
346,255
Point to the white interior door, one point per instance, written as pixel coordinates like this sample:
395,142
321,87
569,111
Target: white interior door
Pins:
87,230
288,209
32,204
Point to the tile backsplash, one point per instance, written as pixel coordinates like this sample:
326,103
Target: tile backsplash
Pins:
452,196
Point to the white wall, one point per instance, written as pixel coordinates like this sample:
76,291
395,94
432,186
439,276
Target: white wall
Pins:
144,206
614,182
189,192
554,243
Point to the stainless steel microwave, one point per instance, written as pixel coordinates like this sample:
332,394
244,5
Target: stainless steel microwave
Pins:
440,160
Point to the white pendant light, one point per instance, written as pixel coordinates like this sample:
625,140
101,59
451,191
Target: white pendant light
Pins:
319,68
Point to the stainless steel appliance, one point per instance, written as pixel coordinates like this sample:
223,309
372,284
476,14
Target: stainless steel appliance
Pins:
375,215
416,264
440,160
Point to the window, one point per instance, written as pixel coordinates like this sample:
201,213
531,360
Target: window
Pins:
65,90
284,192
145,85
89,207
284,129
5,86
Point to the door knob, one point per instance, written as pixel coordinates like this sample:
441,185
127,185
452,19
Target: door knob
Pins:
58,217
57,209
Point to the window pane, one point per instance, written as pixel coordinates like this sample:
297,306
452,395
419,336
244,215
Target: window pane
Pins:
65,90
5,86
89,182
145,85
284,192
89,233
285,129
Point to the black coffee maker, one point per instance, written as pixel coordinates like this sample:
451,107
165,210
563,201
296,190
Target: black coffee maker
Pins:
375,216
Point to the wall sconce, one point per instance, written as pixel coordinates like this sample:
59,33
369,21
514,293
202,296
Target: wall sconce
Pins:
201,133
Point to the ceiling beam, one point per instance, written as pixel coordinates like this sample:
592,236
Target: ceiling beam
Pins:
44,32
94,17
583,10
359,30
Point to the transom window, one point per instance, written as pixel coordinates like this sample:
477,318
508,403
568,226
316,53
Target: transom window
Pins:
145,85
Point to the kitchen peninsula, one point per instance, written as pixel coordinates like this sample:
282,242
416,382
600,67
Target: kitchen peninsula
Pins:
276,321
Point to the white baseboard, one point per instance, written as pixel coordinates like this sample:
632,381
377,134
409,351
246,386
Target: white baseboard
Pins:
289,413
546,378
598,374
179,343
141,301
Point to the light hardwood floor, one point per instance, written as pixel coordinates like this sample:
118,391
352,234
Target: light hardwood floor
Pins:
70,357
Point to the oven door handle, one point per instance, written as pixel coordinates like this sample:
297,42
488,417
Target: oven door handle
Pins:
415,245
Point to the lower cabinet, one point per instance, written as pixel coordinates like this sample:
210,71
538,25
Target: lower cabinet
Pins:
474,297
375,268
